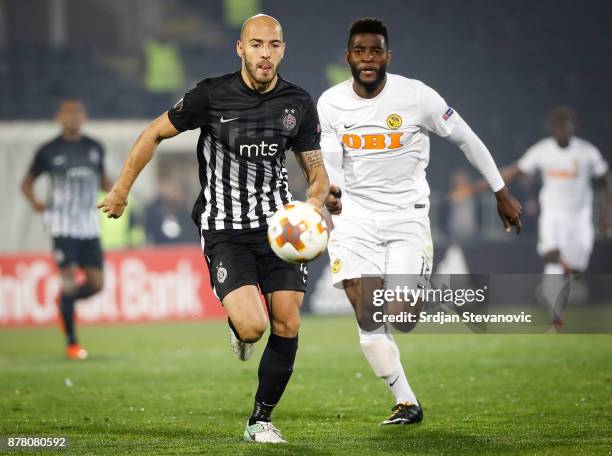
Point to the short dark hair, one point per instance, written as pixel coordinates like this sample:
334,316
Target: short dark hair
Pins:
561,115
368,25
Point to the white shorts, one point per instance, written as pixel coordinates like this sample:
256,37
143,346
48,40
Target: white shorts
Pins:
571,234
361,246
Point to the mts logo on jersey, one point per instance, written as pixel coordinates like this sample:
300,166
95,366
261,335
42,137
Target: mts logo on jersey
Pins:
259,148
373,142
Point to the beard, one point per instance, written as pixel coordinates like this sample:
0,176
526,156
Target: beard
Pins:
261,83
373,85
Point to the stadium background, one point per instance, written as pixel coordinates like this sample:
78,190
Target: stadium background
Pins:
174,387
501,65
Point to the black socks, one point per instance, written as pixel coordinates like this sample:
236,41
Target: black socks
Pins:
67,312
275,369
67,308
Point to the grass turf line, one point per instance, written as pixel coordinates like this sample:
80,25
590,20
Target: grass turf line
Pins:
177,389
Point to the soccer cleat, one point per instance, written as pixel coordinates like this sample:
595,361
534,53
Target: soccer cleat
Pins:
242,350
263,432
75,351
405,413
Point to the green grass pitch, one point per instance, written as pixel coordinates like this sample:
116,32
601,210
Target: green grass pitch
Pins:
177,389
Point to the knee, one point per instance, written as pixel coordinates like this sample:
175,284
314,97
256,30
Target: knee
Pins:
251,332
287,327
96,282
97,285
69,285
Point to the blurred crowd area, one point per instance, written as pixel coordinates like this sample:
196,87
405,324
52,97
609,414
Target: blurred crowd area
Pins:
502,65
164,219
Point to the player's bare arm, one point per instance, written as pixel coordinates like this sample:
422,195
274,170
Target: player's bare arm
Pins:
27,188
141,153
311,163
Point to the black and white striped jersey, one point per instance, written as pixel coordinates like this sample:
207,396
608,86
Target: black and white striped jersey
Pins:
241,150
75,169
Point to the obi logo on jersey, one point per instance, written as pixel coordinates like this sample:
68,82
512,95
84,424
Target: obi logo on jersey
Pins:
373,142
259,148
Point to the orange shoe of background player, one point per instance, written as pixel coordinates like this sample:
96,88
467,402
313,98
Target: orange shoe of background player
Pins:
75,351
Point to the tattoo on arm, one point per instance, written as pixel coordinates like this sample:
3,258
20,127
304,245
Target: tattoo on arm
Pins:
311,163
313,159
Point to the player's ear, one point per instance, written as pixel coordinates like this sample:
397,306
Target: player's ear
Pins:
388,57
346,56
283,50
239,49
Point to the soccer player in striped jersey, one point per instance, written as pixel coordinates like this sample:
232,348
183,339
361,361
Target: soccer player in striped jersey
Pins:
247,121
375,139
75,164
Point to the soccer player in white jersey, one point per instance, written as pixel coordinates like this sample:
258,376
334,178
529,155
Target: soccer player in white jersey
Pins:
569,167
375,141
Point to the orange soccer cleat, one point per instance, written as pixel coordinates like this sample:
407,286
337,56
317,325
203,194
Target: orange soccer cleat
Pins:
75,351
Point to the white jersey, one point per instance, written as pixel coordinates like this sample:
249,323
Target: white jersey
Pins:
382,144
566,174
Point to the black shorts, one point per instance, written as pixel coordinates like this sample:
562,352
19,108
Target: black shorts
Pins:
81,252
244,257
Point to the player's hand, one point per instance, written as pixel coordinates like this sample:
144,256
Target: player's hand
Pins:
314,202
113,204
38,206
509,210
333,202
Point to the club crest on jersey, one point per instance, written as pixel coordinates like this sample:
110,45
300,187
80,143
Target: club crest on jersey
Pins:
336,266
394,121
221,273
289,119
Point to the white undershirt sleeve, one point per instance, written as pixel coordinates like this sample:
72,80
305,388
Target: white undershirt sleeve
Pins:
476,153
331,149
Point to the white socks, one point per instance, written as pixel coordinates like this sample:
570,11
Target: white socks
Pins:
553,283
383,356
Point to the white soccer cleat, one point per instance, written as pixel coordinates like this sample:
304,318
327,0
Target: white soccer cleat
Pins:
242,350
263,432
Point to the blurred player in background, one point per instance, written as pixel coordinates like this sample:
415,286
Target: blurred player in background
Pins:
569,167
248,119
375,141
75,164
